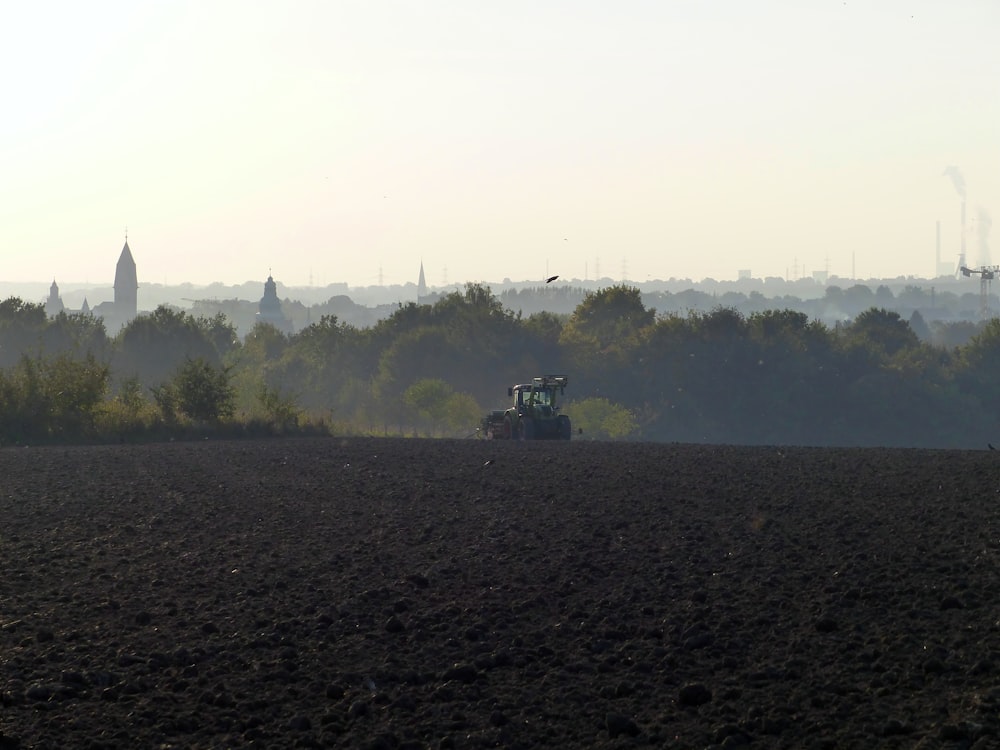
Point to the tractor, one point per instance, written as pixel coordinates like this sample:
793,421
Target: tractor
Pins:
533,414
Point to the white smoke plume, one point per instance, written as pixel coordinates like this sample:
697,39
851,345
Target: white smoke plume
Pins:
956,179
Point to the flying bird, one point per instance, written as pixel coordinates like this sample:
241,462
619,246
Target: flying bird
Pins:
991,446
551,279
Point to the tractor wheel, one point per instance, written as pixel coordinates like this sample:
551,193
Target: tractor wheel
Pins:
508,429
565,427
527,428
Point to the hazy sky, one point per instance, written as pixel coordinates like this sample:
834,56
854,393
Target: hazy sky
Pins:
337,141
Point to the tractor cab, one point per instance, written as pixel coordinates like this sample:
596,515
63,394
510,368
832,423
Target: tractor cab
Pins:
539,396
530,401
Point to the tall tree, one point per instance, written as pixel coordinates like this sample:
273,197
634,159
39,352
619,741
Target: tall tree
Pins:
21,327
153,346
201,391
881,331
601,337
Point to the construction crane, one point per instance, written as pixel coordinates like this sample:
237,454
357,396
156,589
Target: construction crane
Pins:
986,275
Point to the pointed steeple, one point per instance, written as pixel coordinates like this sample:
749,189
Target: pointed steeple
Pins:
421,283
126,284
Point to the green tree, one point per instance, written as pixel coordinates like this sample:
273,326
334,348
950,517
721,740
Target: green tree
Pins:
73,389
881,331
796,359
545,328
978,364
884,296
919,326
858,298
153,346
251,366
470,341
319,360
21,327
915,297
601,338
439,408
202,391
264,344
607,318
462,414
78,334
220,331
128,412
280,409
427,400
46,398
601,419
951,335
722,375
536,348
165,398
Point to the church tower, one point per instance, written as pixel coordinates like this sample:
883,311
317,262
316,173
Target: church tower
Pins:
54,304
126,285
421,284
269,308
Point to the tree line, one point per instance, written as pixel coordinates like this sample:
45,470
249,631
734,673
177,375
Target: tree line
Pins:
719,376
952,313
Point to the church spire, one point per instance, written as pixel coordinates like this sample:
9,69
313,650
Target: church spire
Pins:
126,284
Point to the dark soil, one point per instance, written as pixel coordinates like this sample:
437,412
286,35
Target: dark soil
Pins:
437,594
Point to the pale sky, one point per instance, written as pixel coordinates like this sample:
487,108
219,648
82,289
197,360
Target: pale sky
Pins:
343,141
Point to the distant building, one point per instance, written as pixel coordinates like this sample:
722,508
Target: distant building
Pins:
269,310
54,304
421,284
118,314
126,285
